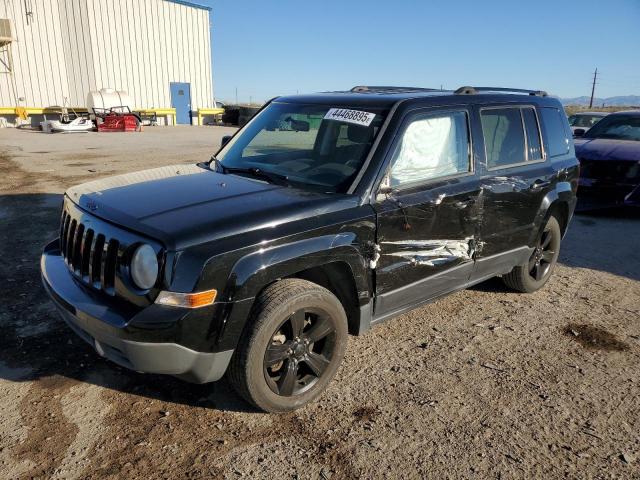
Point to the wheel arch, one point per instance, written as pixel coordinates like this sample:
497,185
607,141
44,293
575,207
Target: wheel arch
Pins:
560,210
558,202
334,262
338,278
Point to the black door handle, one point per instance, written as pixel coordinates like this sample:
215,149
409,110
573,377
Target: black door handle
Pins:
539,183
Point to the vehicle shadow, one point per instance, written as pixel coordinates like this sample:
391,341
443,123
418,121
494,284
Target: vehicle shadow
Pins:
605,240
494,285
36,344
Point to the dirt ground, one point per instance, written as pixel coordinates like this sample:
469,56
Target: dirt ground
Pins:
484,383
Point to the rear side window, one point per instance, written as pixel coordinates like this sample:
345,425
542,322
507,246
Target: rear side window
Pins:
503,136
432,146
534,149
554,127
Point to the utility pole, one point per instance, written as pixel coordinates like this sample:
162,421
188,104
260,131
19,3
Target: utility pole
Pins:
593,87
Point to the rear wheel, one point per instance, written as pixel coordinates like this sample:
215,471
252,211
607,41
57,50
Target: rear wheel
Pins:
532,275
293,348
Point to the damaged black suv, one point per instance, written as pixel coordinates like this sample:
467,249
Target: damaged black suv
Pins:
323,216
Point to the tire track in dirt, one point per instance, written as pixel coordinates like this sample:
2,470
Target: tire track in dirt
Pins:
50,432
194,440
84,407
42,431
13,386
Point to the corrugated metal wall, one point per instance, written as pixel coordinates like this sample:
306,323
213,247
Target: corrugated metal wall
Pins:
65,48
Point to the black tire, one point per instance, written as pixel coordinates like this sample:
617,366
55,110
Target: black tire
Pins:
291,348
535,273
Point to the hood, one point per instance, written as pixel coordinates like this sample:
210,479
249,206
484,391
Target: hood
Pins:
183,205
607,149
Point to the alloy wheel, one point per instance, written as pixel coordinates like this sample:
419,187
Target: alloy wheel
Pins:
299,353
543,256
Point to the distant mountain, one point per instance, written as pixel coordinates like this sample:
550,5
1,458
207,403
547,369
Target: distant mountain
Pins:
608,102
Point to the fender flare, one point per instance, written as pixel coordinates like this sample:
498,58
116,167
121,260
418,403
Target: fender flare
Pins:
562,193
254,271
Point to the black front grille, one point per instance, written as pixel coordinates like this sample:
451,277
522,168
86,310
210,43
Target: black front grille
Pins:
89,254
614,171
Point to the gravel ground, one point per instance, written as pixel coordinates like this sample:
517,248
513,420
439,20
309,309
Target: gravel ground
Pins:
484,383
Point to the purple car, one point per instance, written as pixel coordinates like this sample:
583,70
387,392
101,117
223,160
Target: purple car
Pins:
609,155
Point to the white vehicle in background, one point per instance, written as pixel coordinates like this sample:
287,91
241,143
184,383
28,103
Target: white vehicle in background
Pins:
584,121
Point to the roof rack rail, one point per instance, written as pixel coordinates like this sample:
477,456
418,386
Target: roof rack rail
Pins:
475,90
383,89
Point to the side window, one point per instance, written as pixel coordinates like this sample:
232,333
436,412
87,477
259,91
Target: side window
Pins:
432,146
556,134
503,136
534,149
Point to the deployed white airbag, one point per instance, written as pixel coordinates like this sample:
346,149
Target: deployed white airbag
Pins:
430,148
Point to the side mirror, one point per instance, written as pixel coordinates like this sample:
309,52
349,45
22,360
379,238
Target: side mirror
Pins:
579,132
225,140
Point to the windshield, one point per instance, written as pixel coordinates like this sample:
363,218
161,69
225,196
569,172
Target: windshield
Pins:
618,127
584,121
316,146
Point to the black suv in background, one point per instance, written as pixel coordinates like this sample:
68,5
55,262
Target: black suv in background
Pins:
325,215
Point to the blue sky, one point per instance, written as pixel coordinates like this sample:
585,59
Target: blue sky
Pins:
268,48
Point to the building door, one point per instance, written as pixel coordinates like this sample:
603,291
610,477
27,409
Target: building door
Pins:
181,101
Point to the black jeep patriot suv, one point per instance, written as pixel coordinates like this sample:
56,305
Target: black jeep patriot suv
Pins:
323,216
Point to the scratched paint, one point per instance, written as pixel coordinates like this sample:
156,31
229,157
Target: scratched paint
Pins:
438,200
432,252
506,184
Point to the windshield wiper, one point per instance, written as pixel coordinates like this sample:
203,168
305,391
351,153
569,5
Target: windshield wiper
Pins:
258,173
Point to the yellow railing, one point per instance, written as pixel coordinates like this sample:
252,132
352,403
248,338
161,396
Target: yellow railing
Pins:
38,110
166,112
161,112
208,111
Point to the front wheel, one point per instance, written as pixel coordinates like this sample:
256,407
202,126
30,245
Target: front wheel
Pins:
532,275
292,348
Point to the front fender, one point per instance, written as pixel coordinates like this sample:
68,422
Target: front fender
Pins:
253,272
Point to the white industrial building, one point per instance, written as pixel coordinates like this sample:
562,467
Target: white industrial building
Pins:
54,52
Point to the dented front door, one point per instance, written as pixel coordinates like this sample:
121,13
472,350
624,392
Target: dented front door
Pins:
427,243
427,225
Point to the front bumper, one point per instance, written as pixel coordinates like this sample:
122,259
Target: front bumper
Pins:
608,183
593,195
135,339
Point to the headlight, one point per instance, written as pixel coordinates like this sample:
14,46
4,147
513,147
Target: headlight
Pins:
144,267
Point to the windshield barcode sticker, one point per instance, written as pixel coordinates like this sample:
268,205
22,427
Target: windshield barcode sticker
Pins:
350,116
